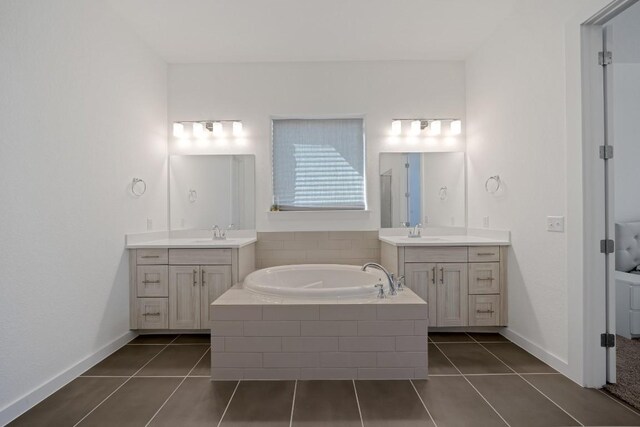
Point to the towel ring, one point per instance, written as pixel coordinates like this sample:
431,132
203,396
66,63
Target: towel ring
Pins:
193,196
443,193
493,184
134,186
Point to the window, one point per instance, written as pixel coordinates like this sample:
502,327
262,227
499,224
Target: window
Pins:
318,164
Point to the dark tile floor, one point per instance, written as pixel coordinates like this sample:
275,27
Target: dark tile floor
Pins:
475,380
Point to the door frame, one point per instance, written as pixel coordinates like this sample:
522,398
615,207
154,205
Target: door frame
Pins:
595,270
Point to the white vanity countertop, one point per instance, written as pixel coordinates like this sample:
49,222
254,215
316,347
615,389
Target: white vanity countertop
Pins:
203,243
188,239
450,237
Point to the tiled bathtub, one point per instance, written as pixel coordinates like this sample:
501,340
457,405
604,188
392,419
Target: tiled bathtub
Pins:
261,337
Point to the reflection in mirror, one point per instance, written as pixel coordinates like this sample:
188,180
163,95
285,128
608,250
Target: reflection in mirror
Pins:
422,188
207,190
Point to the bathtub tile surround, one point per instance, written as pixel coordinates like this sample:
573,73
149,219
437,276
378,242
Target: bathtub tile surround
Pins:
317,247
263,337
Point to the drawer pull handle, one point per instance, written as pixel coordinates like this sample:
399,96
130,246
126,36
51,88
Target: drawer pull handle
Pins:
485,253
151,281
195,277
150,256
485,278
152,314
442,275
202,277
484,311
433,276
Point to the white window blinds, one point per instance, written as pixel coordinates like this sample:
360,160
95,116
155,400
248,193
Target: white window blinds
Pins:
318,164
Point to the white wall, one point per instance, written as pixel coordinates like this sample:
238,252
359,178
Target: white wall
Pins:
625,112
518,88
254,93
82,112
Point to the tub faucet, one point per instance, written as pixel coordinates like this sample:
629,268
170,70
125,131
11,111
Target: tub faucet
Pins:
392,285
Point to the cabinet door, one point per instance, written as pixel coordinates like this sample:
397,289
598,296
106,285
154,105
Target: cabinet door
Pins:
184,297
452,294
421,279
214,281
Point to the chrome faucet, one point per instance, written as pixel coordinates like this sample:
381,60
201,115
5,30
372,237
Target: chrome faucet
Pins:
217,233
392,284
416,231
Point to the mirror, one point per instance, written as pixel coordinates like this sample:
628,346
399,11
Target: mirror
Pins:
426,188
207,190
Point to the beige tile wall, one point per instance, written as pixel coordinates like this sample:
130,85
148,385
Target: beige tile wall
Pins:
317,247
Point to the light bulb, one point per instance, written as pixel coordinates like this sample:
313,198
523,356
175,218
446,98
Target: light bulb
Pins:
217,129
435,127
396,127
178,130
415,127
455,127
199,131
237,128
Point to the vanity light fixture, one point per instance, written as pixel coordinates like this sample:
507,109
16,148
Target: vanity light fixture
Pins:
396,127
199,129
237,128
178,130
455,127
435,127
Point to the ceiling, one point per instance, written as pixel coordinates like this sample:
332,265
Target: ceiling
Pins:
197,31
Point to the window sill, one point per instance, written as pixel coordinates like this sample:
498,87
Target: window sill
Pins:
326,215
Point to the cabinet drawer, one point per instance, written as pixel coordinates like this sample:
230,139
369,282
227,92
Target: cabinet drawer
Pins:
153,313
152,256
484,253
152,281
199,256
484,278
435,254
484,310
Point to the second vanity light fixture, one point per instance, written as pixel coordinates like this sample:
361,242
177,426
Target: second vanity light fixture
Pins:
203,129
433,126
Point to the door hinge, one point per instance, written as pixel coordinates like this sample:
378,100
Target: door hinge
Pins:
607,246
607,340
606,152
605,57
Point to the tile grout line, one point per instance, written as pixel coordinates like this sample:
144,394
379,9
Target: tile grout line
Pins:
423,404
293,402
619,402
355,390
122,385
178,386
525,380
471,384
229,403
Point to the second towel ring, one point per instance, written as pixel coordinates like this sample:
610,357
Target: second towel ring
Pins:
493,184
134,186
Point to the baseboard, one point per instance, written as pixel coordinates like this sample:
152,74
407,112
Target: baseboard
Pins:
549,358
31,399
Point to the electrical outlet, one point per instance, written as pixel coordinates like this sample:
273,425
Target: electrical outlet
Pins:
485,222
149,224
555,224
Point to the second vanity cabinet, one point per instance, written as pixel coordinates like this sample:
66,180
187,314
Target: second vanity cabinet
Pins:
173,288
464,285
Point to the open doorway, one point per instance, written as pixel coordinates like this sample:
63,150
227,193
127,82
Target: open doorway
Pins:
622,82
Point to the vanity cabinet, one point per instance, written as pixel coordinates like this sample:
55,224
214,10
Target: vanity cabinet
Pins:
464,285
173,288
